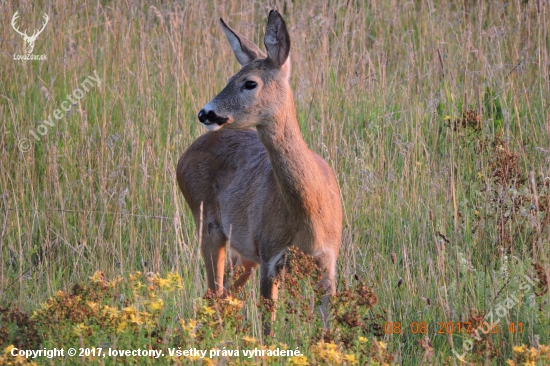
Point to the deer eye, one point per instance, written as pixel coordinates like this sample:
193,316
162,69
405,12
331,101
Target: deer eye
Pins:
249,85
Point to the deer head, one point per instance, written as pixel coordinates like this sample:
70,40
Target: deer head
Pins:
260,89
29,40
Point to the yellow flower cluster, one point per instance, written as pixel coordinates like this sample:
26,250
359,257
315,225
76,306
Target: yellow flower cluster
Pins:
190,327
137,303
8,360
298,361
249,340
119,320
170,283
329,353
86,311
100,278
525,356
225,308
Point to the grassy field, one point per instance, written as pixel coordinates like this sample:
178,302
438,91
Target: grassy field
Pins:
435,116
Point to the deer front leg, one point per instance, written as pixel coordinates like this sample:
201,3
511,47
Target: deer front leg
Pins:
213,254
268,291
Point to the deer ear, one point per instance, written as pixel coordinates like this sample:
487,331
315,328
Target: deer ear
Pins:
277,40
245,51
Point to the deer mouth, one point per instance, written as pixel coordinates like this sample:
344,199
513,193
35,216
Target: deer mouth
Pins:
218,121
211,118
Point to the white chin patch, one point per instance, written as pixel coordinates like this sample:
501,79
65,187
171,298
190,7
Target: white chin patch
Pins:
213,127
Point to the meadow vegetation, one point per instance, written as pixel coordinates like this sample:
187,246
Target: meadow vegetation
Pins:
434,115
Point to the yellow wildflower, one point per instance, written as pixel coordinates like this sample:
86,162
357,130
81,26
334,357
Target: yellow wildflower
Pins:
134,276
176,281
518,349
350,358
233,302
135,319
164,283
249,340
191,324
110,312
129,310
327,352
123,324
207,362
156,305
190,327
80,328
207,310
98,277
113,283
298,361
363,340
533,353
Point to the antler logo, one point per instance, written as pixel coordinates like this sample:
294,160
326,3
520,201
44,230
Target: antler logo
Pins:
29,40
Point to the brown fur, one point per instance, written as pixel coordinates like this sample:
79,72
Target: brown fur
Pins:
265,187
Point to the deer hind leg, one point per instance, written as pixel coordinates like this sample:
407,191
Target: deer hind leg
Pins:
327,263
213,254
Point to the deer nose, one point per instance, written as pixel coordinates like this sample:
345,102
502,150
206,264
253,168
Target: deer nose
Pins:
209,116
202,115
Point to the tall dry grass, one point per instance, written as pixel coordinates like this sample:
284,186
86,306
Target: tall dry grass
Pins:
380,89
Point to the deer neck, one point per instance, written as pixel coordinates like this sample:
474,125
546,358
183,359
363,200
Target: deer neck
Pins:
294,165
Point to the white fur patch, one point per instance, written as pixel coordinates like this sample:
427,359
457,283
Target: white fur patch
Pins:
213,127
285,69
235,44
270,38
273,263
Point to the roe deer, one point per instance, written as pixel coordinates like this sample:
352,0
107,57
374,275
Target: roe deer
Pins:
264,189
